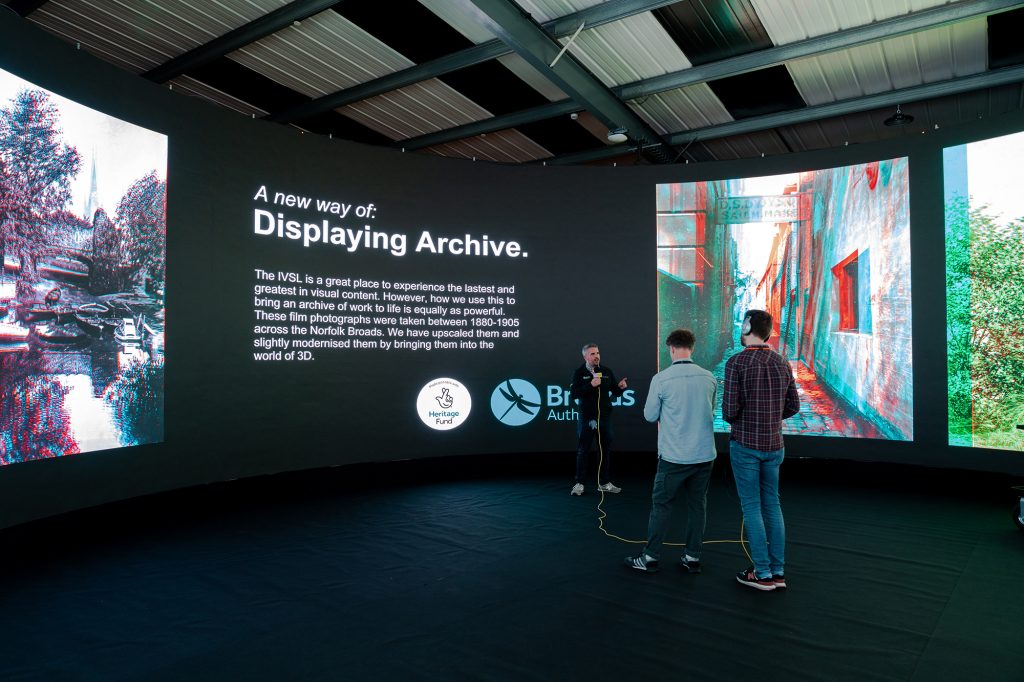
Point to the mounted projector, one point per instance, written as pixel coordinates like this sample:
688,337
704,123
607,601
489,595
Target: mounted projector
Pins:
617,135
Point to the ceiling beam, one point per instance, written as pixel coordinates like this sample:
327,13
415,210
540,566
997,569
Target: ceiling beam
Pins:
830,42
244,35
520,32
917,93
604,13
393,81
23,8
488,125
918,21
592,17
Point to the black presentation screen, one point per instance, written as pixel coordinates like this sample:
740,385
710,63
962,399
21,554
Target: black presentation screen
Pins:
382,305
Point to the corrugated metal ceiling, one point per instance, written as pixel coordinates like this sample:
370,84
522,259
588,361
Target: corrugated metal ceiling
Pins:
138,36
310,67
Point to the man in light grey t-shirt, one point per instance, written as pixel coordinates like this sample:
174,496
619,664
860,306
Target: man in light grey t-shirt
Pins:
682,401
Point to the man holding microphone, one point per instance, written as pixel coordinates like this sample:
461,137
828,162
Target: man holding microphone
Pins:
593,385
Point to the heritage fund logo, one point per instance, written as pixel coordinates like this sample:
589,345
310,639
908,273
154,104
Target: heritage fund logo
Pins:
515,402
443,404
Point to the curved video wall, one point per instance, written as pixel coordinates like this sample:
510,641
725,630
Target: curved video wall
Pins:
984,212
827,253
197,297
83,228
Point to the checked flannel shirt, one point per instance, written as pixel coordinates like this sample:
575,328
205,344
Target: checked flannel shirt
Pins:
759,392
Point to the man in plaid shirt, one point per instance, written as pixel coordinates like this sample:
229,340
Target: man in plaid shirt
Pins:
759,393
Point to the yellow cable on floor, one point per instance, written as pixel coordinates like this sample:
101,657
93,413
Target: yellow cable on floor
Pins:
602,515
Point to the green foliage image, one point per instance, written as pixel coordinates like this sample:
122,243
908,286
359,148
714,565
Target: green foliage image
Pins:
985,327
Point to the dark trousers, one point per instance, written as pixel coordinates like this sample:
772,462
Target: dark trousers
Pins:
670,482
586,435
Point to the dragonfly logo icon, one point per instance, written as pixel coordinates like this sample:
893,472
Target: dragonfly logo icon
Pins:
515,402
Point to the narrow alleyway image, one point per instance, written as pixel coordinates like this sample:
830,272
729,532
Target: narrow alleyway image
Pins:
822,413
826,254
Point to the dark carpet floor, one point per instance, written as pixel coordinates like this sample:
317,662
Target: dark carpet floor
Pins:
493,572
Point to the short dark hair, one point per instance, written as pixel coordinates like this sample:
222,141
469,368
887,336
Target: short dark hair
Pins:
587,346
681,338
760,323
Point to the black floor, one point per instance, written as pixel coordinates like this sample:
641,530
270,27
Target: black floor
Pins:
401,572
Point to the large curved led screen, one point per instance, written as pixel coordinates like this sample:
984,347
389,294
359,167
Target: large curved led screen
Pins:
827,253
82,235
985,292
425,313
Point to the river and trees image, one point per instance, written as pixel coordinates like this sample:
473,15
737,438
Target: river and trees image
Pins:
83,246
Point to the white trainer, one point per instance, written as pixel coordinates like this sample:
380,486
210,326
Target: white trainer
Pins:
610,487
577,489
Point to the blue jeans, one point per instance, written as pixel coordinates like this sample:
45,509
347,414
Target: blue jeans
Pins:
670,482
757,483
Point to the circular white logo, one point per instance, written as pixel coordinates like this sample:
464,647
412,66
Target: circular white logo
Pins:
443,404
515,402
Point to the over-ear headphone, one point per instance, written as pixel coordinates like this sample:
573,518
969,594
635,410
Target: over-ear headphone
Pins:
745,329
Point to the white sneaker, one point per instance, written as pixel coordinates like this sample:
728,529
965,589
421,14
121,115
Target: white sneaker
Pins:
610,487
577,489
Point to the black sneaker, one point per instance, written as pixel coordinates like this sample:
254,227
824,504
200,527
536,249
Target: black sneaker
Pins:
642,562
690,565
749,578
779,580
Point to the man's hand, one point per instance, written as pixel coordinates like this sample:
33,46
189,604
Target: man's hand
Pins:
622,384
595,382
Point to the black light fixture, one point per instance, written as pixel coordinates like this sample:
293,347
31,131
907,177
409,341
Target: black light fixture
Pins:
899,118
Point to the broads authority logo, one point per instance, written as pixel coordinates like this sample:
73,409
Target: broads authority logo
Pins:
444,404
515,402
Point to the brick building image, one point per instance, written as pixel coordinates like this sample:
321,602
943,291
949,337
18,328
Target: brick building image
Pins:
827,253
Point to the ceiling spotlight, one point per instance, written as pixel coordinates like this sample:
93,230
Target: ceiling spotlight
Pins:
899,118
617,135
